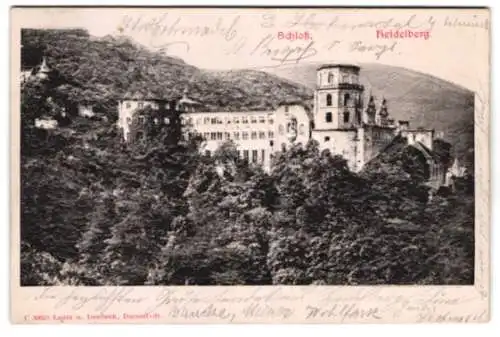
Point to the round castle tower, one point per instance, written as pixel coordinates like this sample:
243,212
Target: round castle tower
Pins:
338,99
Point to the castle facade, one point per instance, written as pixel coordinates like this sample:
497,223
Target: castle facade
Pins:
337,118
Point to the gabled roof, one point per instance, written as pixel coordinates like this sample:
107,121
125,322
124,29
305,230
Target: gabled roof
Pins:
294,102
428,153
189,101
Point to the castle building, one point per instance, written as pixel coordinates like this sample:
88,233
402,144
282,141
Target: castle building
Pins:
337,119
41,72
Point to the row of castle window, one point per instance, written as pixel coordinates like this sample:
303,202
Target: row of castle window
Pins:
141,105
142,120
228,120
245,154
212,120
215,120
345,78
347,99
179,106
252,156
329,117
281,129
236,135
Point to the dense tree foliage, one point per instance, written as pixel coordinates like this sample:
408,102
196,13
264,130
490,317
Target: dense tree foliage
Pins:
157,212
97,211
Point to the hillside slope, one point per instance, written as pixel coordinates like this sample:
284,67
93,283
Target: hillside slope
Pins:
103,69
424,100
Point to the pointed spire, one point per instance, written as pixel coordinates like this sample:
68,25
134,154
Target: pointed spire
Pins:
383,108
371,102
371,110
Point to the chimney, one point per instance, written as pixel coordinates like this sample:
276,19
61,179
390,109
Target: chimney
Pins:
403,125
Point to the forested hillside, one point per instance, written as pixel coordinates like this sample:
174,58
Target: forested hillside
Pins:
95,211
104,69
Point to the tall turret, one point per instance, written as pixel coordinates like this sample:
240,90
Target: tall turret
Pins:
370,111
338,97
186,104
382,114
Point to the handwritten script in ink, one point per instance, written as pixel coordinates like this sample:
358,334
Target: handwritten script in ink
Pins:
315,304
261,35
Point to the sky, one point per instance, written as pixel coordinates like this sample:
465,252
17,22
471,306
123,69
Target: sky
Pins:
451,44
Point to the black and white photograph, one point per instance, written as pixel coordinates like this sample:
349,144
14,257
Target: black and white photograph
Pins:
151,155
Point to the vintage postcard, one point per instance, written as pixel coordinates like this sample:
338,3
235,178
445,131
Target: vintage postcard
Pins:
250,165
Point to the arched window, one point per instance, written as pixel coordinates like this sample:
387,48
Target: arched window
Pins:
291,125
301,129
346,116
328,100
330,78
328,117
347,98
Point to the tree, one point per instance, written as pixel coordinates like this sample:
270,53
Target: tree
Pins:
320,202
93,241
